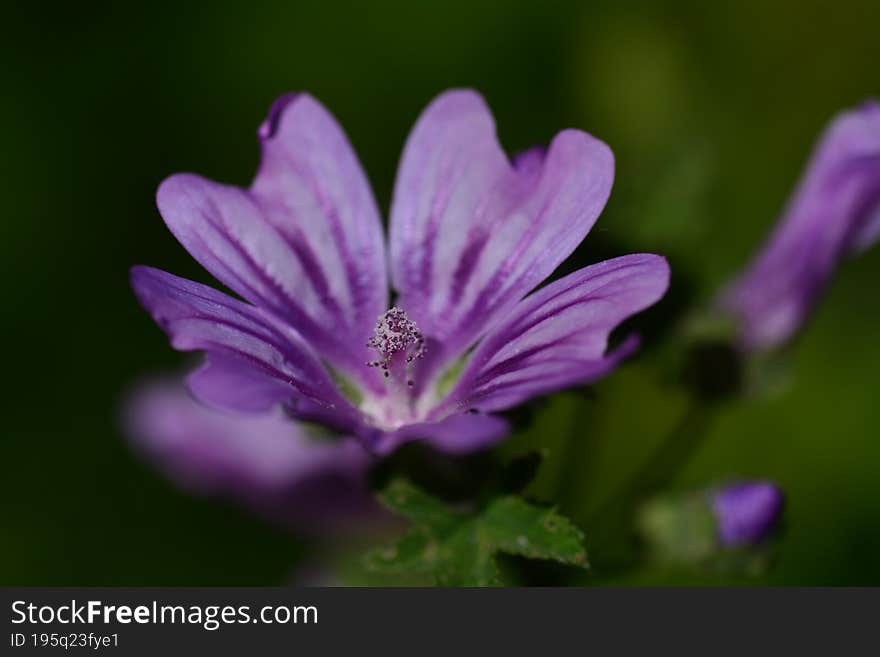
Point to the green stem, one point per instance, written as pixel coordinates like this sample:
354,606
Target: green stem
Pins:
575,467
614,518
672,454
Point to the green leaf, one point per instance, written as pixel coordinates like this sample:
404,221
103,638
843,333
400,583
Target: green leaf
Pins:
517,527
414,504
458,548
414,553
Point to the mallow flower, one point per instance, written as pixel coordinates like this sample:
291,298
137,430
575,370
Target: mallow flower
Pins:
470,235
746,512
834,213
264,462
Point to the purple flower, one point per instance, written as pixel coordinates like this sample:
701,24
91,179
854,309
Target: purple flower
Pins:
470,236
835,212
747,512
266,462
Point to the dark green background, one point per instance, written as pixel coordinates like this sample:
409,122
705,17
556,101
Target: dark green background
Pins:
711,109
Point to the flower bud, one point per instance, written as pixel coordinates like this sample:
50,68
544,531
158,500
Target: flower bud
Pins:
834,213
746,512
722,528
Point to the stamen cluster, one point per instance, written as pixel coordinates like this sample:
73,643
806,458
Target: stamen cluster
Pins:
396,334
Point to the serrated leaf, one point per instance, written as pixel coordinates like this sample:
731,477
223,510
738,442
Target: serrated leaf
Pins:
459,549
415,552
467,561
416,505
517,527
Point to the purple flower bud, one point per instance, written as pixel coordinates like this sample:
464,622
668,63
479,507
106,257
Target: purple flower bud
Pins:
834,213
747,512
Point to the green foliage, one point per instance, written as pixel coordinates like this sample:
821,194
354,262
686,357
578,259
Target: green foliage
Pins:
459,548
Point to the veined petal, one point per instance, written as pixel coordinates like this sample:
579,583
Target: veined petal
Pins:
230,383
197,317
471,234
314,190
305,242
558,336
266,461
835,212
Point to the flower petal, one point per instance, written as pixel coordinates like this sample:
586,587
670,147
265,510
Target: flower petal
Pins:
461,433
470,233
266,461
834,212
870,232
227,382
558,336
312,186
197,317
305,242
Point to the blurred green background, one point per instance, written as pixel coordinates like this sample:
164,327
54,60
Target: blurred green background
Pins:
711,109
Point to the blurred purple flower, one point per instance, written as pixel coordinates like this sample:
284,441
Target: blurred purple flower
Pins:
747,512
835,212
470,235
266,462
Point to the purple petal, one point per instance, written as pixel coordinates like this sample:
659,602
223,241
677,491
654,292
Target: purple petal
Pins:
558,336
835,212
461,433
305,242
197,317
312,183
266,461
471,234
530,161
747,512
226,382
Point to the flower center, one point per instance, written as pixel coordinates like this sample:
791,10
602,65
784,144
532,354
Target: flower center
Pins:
398,342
